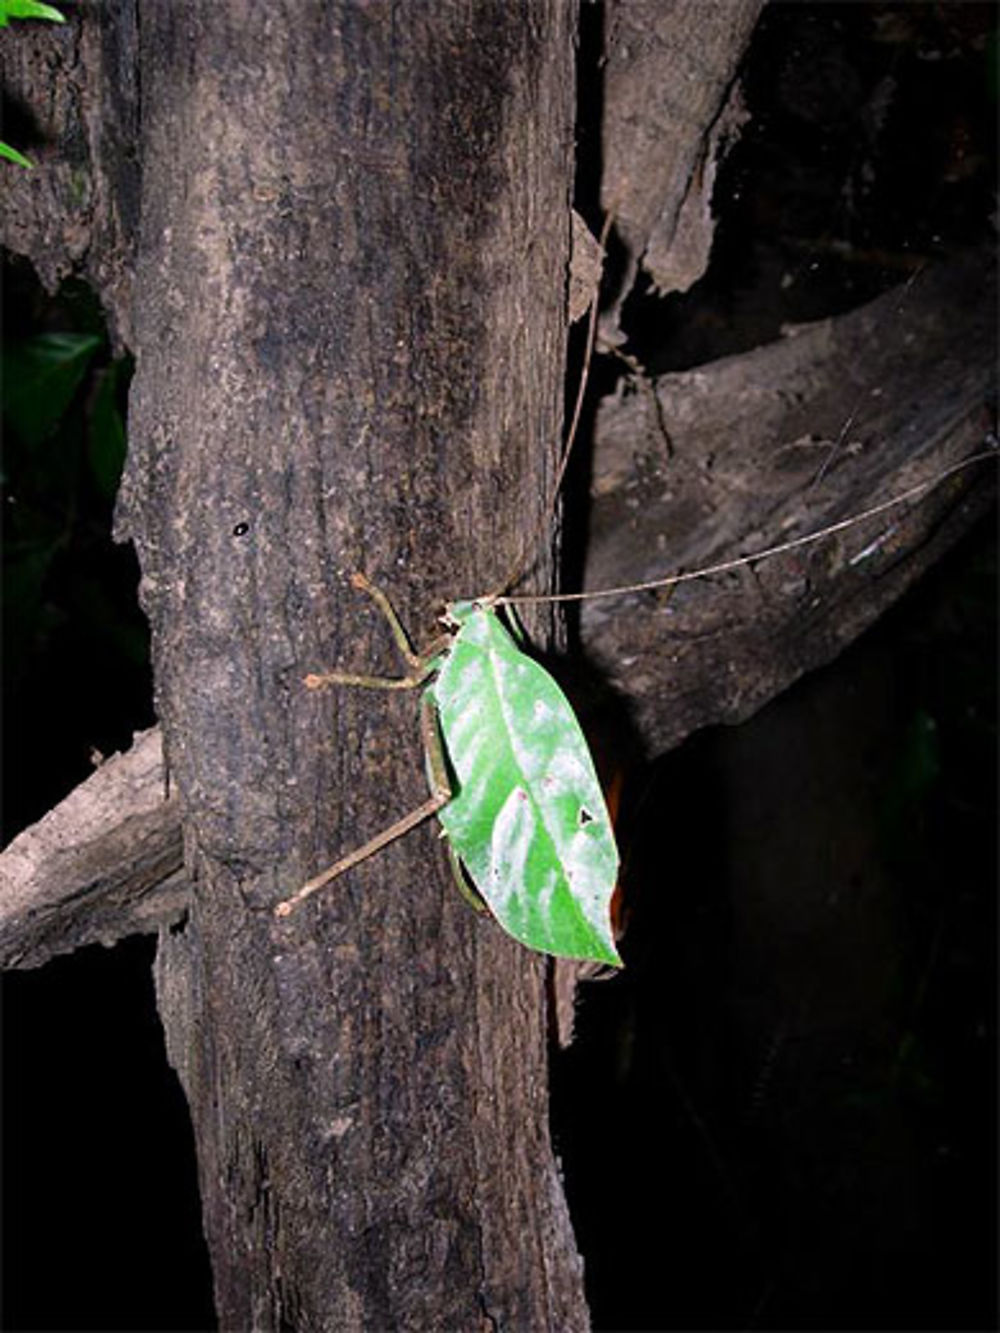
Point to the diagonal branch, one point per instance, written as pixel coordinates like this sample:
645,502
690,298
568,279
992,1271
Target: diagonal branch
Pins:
104,863
757,449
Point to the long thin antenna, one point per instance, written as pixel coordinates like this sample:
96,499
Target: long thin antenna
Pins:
740,562
588,354
523,560
845,430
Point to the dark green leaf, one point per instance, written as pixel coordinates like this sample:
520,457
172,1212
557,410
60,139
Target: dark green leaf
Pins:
40,377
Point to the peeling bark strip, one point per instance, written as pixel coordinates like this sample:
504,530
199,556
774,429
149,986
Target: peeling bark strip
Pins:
669,69
349,321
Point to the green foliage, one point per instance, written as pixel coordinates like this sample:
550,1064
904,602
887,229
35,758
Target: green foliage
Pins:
64,447
28,9
76,655
12,155
527,817
41,375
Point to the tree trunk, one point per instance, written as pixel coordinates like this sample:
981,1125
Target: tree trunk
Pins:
349,315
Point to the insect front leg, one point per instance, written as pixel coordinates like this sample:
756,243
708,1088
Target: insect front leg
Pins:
419,667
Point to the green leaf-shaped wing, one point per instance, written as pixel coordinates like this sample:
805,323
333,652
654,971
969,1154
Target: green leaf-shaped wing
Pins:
528,818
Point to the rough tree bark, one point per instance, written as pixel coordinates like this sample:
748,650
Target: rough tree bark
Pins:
346,298
348,335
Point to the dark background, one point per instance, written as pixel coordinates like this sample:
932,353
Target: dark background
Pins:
782,1115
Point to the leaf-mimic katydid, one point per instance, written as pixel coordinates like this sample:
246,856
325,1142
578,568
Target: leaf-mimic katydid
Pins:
524,813
512,781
